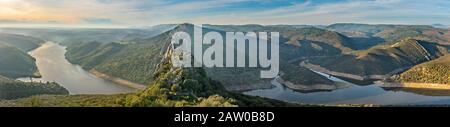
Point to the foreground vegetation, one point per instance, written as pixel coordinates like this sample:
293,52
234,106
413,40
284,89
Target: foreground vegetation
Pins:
11,89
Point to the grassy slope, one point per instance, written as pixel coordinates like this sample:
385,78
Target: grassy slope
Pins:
436,71
89,55
15,63
381,59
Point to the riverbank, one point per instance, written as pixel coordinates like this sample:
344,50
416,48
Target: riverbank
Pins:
433,86
351,76
311,88
118,81
54,67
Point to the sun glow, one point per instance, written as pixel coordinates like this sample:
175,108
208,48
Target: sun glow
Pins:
7,1
25,11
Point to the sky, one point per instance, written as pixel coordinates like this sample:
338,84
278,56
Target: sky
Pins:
132,13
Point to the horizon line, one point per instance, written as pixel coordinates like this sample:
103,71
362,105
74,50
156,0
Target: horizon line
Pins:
108,26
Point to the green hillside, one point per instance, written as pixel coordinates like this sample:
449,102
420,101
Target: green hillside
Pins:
88,55
24,43
136,61
436,71
383,59
365,28
11,89
189,87
133,61
15,63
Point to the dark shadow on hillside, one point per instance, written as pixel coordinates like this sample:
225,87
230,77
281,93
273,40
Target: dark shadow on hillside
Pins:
362,43
306,49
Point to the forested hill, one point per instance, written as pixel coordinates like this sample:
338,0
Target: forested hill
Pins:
24,43
11,89
382,59
14,60
333,47
15,63
176,86
136,61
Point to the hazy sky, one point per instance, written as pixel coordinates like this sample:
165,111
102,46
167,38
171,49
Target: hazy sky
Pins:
151,12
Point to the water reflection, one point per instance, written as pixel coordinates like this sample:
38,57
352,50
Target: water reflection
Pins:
54,67
356,94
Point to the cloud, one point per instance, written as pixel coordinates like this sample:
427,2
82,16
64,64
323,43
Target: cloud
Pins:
369,11
150,12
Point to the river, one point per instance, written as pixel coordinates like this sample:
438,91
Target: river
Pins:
356,94
54,67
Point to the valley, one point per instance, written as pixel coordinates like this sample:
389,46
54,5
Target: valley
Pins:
16,63
53,67
318,66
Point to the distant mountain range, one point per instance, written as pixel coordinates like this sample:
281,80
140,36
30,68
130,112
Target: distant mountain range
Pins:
24,43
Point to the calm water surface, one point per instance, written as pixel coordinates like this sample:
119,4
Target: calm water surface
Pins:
370,94
54,67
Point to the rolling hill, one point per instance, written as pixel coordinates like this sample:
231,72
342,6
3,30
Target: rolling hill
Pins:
393,33
24,43
381,61
172,87
88,55
15,63
136,62
434,72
